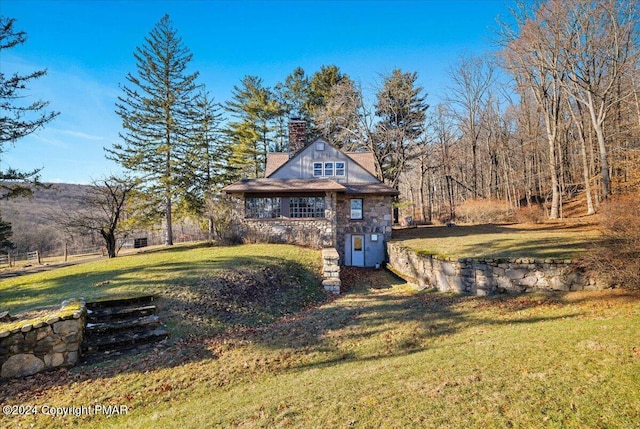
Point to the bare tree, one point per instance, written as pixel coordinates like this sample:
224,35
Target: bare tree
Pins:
598,44
532,55
472,78
102,211
340,118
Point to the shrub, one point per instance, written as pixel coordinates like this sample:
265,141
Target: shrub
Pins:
617,256
483,211
530,214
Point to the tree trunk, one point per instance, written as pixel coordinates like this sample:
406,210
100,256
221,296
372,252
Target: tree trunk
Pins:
110,242
555,185
169,236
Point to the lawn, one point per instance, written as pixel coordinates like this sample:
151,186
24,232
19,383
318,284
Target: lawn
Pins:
179,276
380,355
537,241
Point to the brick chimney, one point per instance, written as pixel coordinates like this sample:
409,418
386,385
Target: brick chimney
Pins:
297,136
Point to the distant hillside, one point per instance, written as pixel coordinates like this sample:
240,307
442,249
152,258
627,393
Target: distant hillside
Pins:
35,224
33,219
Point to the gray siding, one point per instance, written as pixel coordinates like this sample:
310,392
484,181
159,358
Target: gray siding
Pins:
301,166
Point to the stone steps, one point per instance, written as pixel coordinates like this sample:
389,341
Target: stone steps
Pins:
120,325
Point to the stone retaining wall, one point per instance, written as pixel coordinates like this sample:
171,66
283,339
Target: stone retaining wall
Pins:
488,276
52,341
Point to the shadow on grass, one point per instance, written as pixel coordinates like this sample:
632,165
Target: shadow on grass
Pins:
554,240
372,321
392,323
206,298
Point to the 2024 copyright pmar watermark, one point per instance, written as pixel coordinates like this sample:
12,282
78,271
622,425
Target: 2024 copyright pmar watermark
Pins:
76,411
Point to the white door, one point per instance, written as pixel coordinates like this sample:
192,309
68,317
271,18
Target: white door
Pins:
357,250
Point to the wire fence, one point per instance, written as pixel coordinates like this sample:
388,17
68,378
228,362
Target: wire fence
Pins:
38,257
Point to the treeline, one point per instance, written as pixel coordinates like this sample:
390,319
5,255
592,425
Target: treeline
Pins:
553,114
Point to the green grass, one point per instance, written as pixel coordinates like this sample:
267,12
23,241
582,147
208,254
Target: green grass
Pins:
381,355
148,272
544,241
179,277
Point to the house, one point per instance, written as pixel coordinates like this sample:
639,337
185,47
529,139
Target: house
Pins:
317,195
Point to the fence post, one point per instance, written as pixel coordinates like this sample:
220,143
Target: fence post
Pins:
38,257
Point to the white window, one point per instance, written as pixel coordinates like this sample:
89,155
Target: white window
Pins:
339,168
328,168
356,208
317,169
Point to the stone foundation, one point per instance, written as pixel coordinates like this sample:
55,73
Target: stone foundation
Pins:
488,276
52,341
331,270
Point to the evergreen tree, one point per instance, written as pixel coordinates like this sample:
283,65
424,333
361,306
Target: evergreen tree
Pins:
251,136
17,120
292,97
294,94
206,170
157,119
401,108
321,84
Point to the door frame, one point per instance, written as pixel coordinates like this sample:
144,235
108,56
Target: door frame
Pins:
353,251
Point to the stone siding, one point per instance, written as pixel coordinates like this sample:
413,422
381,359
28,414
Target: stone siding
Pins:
317,233
376,218
41,344
488,276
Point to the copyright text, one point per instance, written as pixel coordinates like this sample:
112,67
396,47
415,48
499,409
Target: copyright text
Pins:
77,411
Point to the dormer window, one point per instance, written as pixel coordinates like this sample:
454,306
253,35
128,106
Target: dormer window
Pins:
328,168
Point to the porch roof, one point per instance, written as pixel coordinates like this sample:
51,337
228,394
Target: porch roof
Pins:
266,186
290,186
371,188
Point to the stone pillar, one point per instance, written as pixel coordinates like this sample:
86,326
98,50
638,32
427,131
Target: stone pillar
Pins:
331,270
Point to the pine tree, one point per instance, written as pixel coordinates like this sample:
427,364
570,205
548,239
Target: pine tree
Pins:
157,118
321,85
17,120
251,136
401,107
204,167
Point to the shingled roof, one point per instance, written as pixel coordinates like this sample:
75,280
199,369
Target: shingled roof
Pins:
275,160
286,186
264,186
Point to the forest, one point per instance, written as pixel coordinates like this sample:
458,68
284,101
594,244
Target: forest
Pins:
552,115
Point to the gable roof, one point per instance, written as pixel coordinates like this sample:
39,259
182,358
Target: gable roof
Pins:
287,185
366,160
275,160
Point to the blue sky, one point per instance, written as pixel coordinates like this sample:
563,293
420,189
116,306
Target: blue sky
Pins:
87,47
